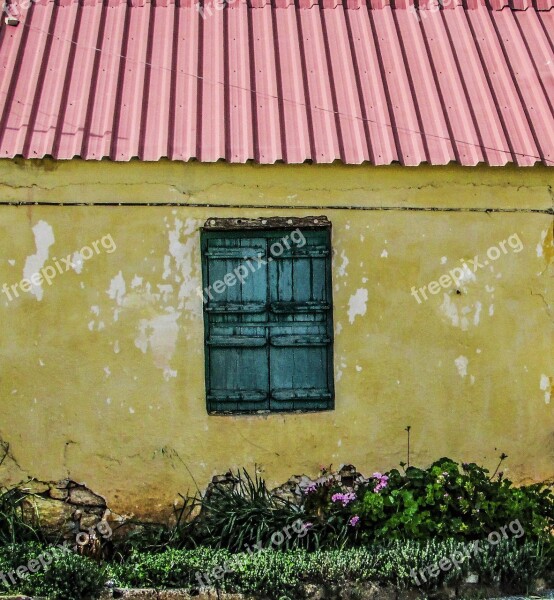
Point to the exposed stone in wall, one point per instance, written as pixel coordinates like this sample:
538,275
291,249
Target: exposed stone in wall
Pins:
65,507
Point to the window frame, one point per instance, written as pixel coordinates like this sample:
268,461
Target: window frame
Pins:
268,228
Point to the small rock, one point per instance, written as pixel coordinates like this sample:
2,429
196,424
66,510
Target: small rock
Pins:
52,516
58,494
62,484
89,521
85,497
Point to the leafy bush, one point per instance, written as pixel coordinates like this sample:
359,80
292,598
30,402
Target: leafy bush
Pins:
68,576
442,501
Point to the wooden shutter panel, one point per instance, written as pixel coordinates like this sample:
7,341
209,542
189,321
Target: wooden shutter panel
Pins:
237,365
300,335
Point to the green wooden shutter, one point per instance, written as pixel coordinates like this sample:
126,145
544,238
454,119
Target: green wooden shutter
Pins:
301,376
237,366
269,339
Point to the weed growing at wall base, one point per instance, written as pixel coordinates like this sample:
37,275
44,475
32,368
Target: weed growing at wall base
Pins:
50,272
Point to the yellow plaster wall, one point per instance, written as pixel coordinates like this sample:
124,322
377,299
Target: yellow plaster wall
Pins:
102,379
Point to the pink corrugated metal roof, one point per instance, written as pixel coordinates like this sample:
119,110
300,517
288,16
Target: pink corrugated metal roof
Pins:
269,80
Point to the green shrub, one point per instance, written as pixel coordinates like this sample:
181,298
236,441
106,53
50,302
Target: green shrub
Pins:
69,576
509,565
440,502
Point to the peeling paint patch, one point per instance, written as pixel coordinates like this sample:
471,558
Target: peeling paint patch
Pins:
77,262
169,374
341,270
117,288
450,310
460,316
159,334
477,313
546,387
461,364
44,238
357,305
182,259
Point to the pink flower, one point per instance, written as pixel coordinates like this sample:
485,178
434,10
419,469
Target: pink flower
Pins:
382,483
354,520
344,498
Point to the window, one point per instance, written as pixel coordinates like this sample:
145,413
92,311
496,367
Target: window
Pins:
268,315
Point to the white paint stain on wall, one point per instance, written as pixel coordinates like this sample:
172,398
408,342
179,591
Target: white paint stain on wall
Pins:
461,364
450,310
540,245
77,262
341,270
357,305
461,316
117,288
44,238
546,388
159,335
477,313
182,264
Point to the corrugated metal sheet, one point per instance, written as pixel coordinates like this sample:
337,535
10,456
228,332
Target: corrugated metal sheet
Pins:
273,81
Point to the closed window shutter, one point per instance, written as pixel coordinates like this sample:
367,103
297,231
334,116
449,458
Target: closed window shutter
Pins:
268,339
301,326
237,366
